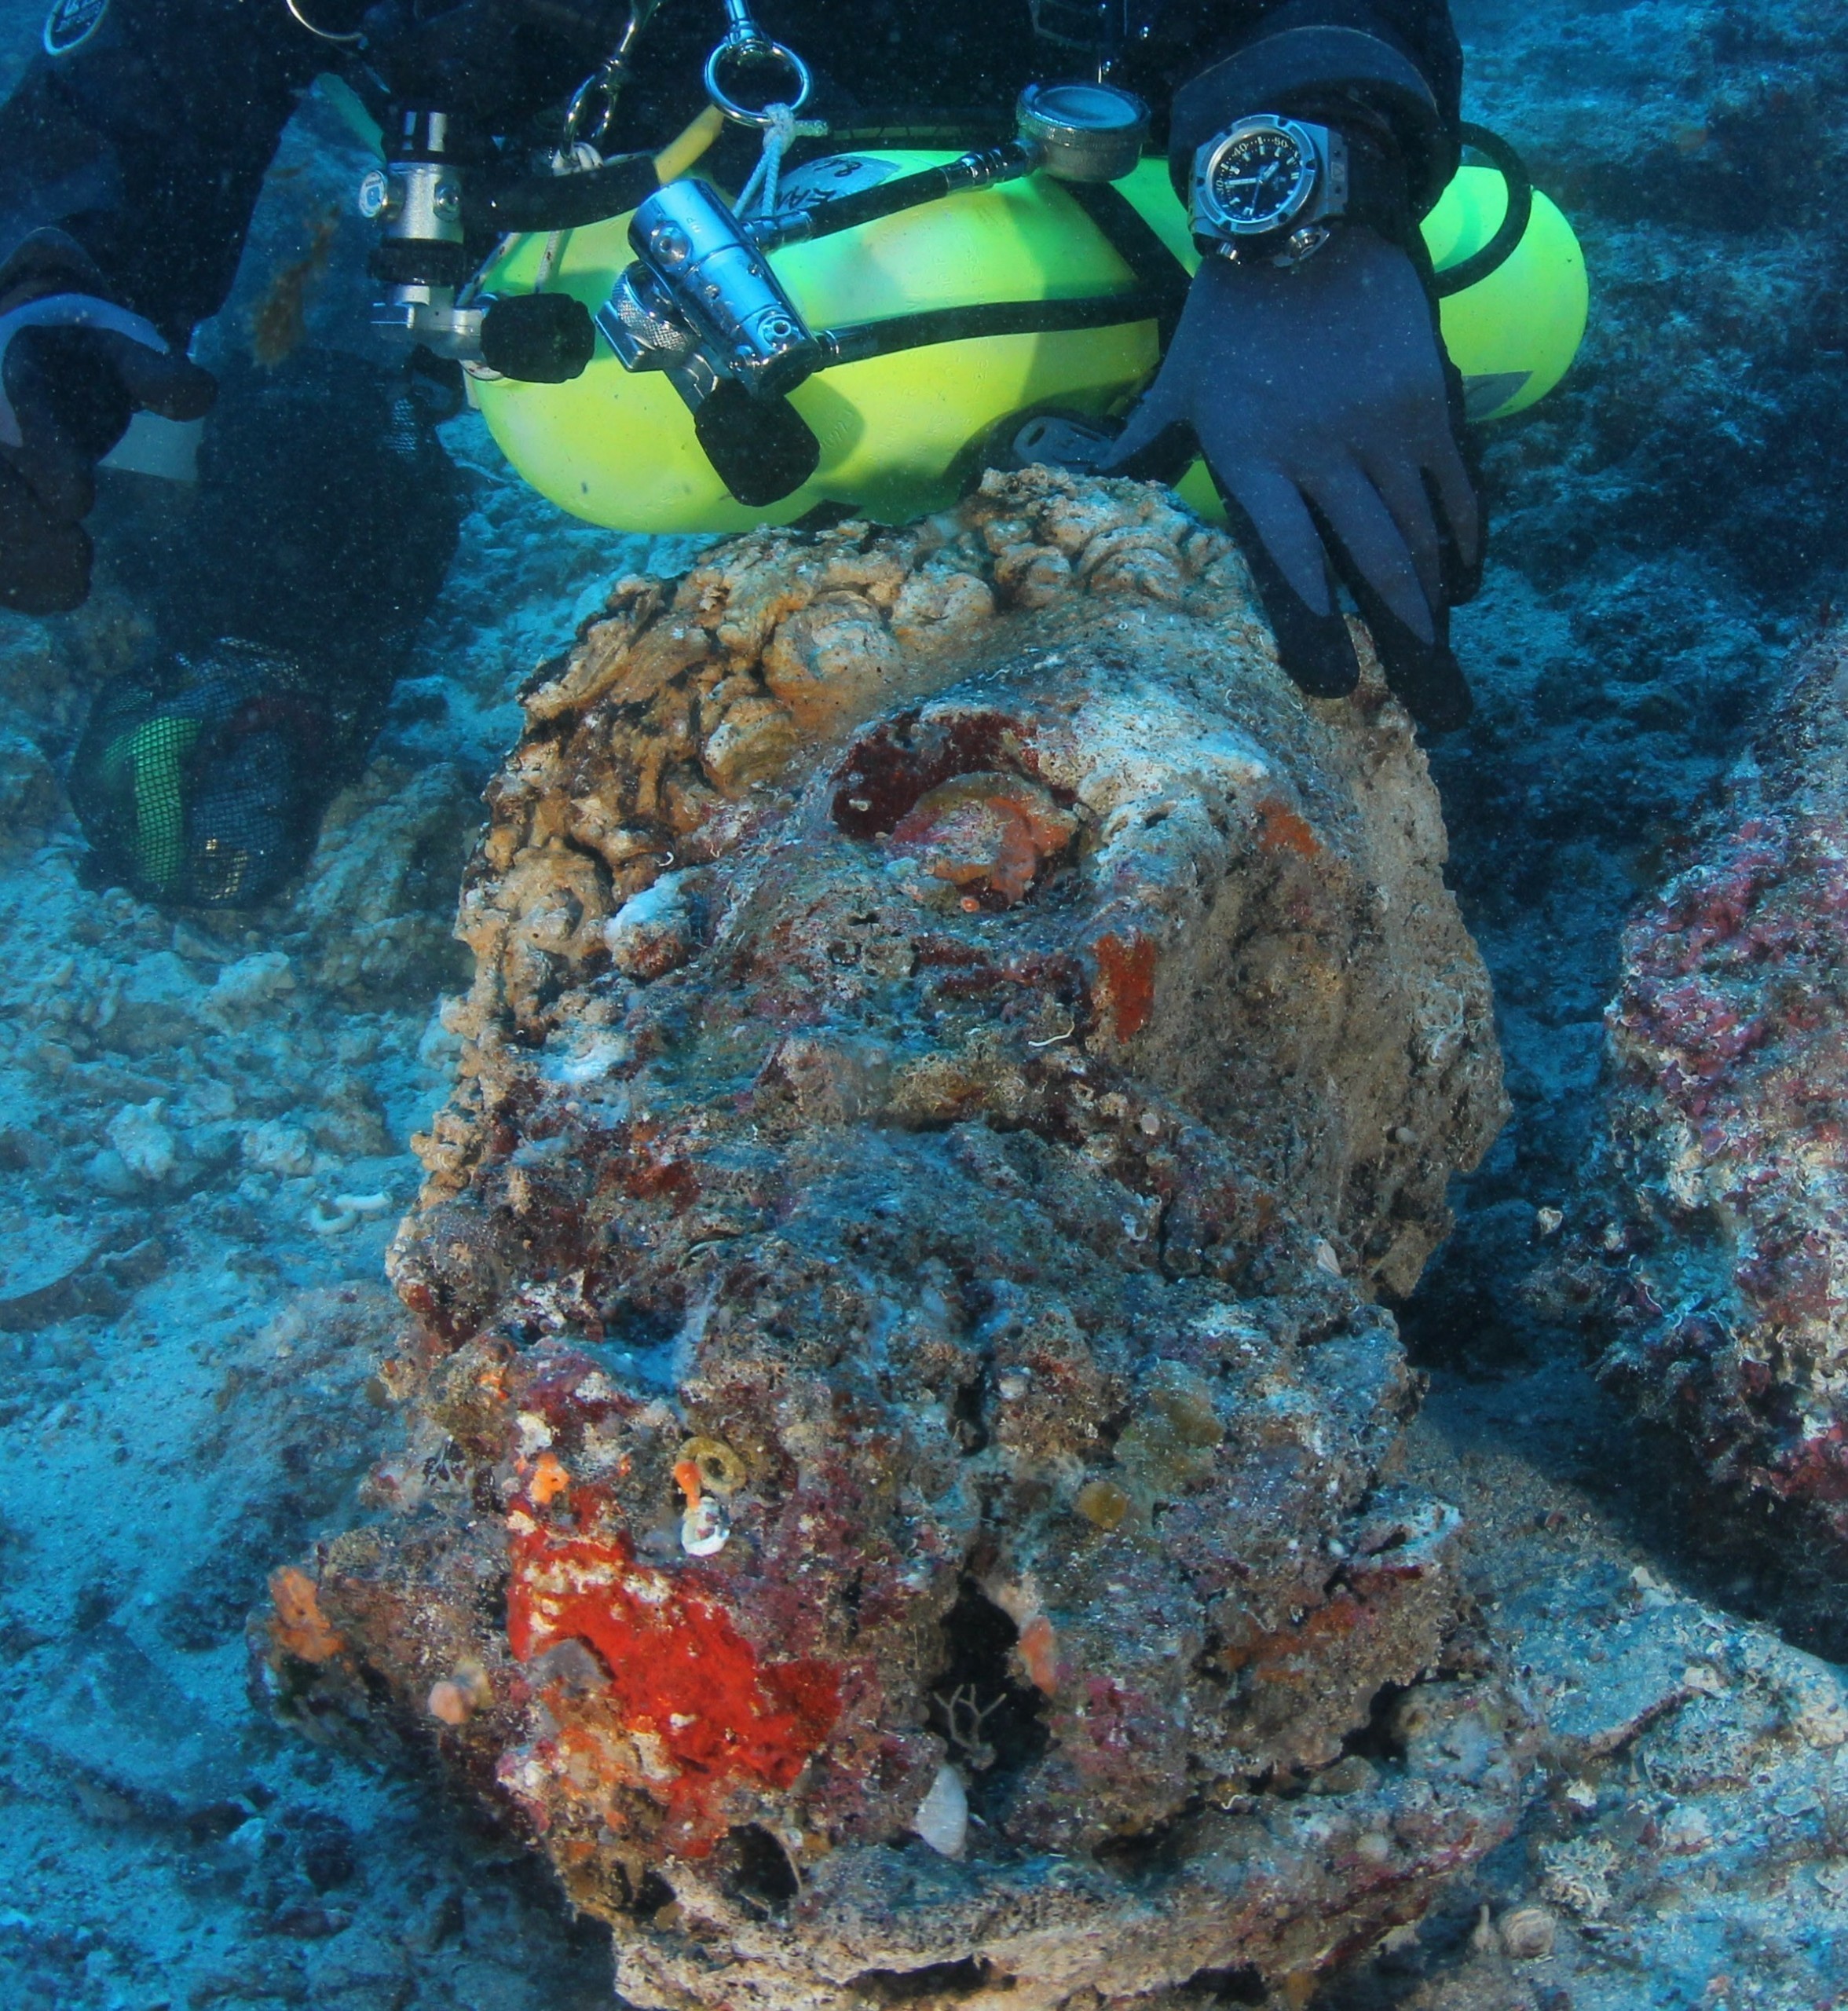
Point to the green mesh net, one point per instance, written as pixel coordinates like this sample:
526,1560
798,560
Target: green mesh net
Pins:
202,784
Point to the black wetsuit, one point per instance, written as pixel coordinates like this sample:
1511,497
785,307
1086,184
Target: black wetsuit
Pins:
148,140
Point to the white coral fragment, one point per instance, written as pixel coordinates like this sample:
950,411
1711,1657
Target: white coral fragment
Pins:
942,1817
652,931
147,1146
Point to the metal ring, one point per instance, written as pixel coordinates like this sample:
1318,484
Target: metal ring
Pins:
594,86
580,98
763,49
321,35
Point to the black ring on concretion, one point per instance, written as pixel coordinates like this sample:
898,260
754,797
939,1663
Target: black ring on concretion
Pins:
1503,246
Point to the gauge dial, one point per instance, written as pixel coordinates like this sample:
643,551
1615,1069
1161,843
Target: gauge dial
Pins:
1261,178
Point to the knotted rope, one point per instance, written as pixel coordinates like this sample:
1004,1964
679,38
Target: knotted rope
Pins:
759,198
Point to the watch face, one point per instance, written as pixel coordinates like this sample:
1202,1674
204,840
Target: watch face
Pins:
1260,177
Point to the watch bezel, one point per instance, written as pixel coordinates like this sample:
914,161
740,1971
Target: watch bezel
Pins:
1208,211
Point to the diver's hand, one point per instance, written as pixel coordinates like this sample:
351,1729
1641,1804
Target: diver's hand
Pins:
75,369
1319,397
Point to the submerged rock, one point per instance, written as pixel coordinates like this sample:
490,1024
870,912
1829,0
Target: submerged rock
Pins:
1688,1819
898,1501
1728,1255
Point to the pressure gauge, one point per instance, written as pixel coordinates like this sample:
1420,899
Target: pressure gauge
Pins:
1083,132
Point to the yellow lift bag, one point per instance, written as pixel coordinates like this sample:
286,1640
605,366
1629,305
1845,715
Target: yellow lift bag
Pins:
898,431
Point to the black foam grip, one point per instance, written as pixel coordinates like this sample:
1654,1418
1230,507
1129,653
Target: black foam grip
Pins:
762,448
538,338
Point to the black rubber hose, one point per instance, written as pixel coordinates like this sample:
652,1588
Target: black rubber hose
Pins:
859,340
564,202
1503,246
839,212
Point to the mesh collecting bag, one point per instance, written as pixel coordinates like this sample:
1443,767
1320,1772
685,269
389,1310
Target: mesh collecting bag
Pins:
202,783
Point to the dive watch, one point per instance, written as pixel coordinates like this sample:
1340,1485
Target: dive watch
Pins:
1269,189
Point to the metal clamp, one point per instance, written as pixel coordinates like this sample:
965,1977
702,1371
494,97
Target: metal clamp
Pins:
422,256
600,89
744,42
603,86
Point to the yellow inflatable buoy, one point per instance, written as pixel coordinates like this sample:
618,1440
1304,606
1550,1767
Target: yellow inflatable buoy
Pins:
898,430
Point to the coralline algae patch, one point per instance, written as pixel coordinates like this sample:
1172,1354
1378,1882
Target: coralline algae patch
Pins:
1773,897
639,1695
1727,1265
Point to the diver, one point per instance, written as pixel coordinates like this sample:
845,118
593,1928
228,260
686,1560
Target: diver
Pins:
1309,136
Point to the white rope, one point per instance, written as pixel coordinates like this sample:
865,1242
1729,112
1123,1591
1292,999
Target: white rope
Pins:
759,198
580,159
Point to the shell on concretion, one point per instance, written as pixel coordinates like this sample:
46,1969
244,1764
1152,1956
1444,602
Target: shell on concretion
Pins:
704,1528
1527,1933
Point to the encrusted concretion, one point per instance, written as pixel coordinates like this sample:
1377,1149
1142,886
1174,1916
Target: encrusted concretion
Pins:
896,1502
1729,1124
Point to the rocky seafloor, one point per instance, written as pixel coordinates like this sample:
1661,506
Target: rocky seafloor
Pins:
206,1138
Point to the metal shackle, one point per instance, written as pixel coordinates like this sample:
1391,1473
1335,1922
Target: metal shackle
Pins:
743,41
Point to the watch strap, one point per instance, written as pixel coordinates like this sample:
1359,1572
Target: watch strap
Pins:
1377,192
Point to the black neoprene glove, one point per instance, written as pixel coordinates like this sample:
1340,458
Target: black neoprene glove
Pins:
72,382
1322,401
